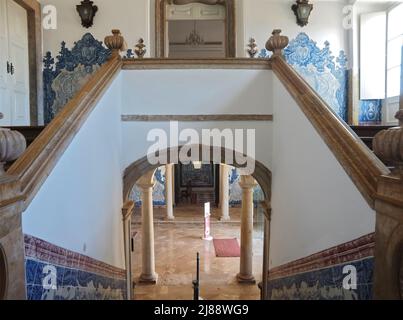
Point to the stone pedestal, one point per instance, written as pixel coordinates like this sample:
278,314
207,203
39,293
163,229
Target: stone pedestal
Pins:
245,275
12,252
388,273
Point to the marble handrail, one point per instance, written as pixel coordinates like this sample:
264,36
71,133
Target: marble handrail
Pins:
359,162
37,162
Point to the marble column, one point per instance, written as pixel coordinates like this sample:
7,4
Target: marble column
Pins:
266,249
127,212
169,191
245,275
146,184
224,192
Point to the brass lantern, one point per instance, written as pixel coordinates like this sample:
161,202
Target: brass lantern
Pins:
302,10
87,12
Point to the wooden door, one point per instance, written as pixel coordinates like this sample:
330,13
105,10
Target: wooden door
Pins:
18,56
5,103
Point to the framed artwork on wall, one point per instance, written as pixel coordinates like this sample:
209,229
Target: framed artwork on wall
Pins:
198,178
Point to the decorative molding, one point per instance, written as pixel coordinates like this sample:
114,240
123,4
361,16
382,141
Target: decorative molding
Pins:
197,118
34,12
160,25
350,251
363,167
87,53
229,63
208,2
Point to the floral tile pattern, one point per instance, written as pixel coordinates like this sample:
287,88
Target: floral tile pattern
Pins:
64,77
325,73
320,276
76,277
370,111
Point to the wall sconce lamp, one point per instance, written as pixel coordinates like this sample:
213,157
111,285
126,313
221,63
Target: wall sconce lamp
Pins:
302,10
87,12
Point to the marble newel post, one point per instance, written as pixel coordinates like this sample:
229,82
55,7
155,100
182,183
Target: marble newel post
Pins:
169,191
12,262
245,275
388,271
146,184
224,192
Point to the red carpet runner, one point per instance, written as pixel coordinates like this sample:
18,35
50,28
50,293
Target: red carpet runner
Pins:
227,248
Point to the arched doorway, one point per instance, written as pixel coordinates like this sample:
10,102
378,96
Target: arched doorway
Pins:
142,168
161,24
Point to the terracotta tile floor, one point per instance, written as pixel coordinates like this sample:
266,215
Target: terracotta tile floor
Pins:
176,245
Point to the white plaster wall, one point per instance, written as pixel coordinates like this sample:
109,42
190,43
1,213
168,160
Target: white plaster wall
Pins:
79,205
136,144
132,17
325,23
315,203
193,92
255,18
205,91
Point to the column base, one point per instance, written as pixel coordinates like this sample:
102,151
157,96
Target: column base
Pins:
149,278
170,219
225,218
245,279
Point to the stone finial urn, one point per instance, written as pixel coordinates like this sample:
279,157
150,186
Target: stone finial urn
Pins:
115,42
277,43
140,49
252,48
388,145
12,145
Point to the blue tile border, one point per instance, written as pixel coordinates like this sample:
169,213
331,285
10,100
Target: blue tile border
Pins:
72,284
325,284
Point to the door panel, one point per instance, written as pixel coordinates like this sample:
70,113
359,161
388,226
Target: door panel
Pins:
18,55
4,96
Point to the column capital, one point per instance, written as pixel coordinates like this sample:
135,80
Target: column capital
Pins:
248,182
147,181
